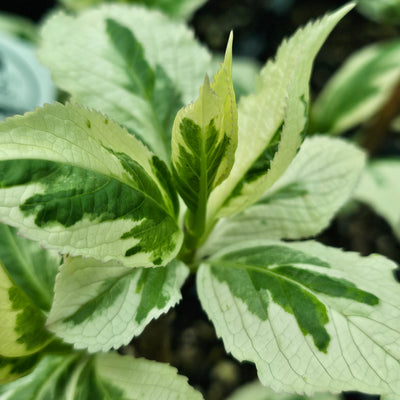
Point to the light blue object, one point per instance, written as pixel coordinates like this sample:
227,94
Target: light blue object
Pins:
24,83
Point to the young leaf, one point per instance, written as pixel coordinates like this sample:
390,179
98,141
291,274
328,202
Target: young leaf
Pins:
31,267
101,56
77,182
302,202
312,318
358,89
272,121
104,376
379,188
255,391
204,139
22,323
99,306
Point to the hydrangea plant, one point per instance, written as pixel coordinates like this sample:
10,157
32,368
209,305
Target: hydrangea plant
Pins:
131,191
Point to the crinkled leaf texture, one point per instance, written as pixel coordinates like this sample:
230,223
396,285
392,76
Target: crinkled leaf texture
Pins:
99,306
204,139
139,70
30,266
380,189
256,391
103,376
303,201
77,182
272,121
22,323
358,89
312,318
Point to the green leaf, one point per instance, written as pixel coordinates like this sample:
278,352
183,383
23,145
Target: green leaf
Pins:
379,188
359,89
302,202
77,182
15,25
22,323
104,376
99,306
255,391
204,139
272,121
31,267
175,8
383,11
101,56
312,318
14,368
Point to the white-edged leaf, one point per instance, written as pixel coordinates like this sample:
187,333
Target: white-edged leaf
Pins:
272,120
30,266
22,323
256,391
77,182
100,377
204,139
380,189
358,89
99,306
312,318
303,201
104,68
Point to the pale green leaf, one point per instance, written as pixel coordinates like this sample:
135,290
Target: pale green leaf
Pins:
174,8
103,67
31,267
358,90
380,189
104,376
99,306
272,121
303,201
312,318
77,182
22,323
14,368
204,139
144,379
256,391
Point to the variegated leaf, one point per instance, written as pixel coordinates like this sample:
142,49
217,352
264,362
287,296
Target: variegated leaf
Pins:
99,306
77,182
302,202
312,318
30,266
102,65
204,139
13,368
22,323
103,376
358,89
273,120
